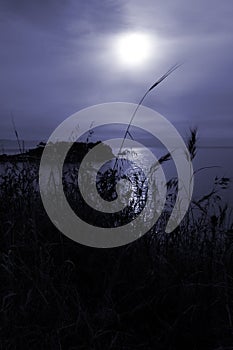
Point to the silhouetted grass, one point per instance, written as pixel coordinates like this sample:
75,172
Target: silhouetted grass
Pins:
164,291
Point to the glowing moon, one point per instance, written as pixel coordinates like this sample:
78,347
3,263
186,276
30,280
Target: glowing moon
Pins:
133,49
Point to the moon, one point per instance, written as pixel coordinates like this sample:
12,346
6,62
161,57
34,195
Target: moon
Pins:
133,49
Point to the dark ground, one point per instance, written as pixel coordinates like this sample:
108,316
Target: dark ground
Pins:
163,291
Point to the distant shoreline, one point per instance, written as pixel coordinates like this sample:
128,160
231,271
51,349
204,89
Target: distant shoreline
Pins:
75,154
11,147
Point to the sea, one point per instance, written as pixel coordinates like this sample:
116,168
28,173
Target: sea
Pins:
211,163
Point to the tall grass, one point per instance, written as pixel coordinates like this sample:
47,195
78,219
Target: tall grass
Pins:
164,291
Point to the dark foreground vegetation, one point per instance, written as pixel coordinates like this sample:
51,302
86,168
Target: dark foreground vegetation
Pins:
164,291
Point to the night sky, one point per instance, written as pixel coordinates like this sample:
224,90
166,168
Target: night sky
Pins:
58,57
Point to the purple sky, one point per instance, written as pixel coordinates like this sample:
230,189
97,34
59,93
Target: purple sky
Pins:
57,57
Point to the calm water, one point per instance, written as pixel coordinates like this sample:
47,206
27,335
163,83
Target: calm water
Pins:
216,161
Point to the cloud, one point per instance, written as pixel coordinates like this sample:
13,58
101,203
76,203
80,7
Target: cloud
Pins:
57,57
